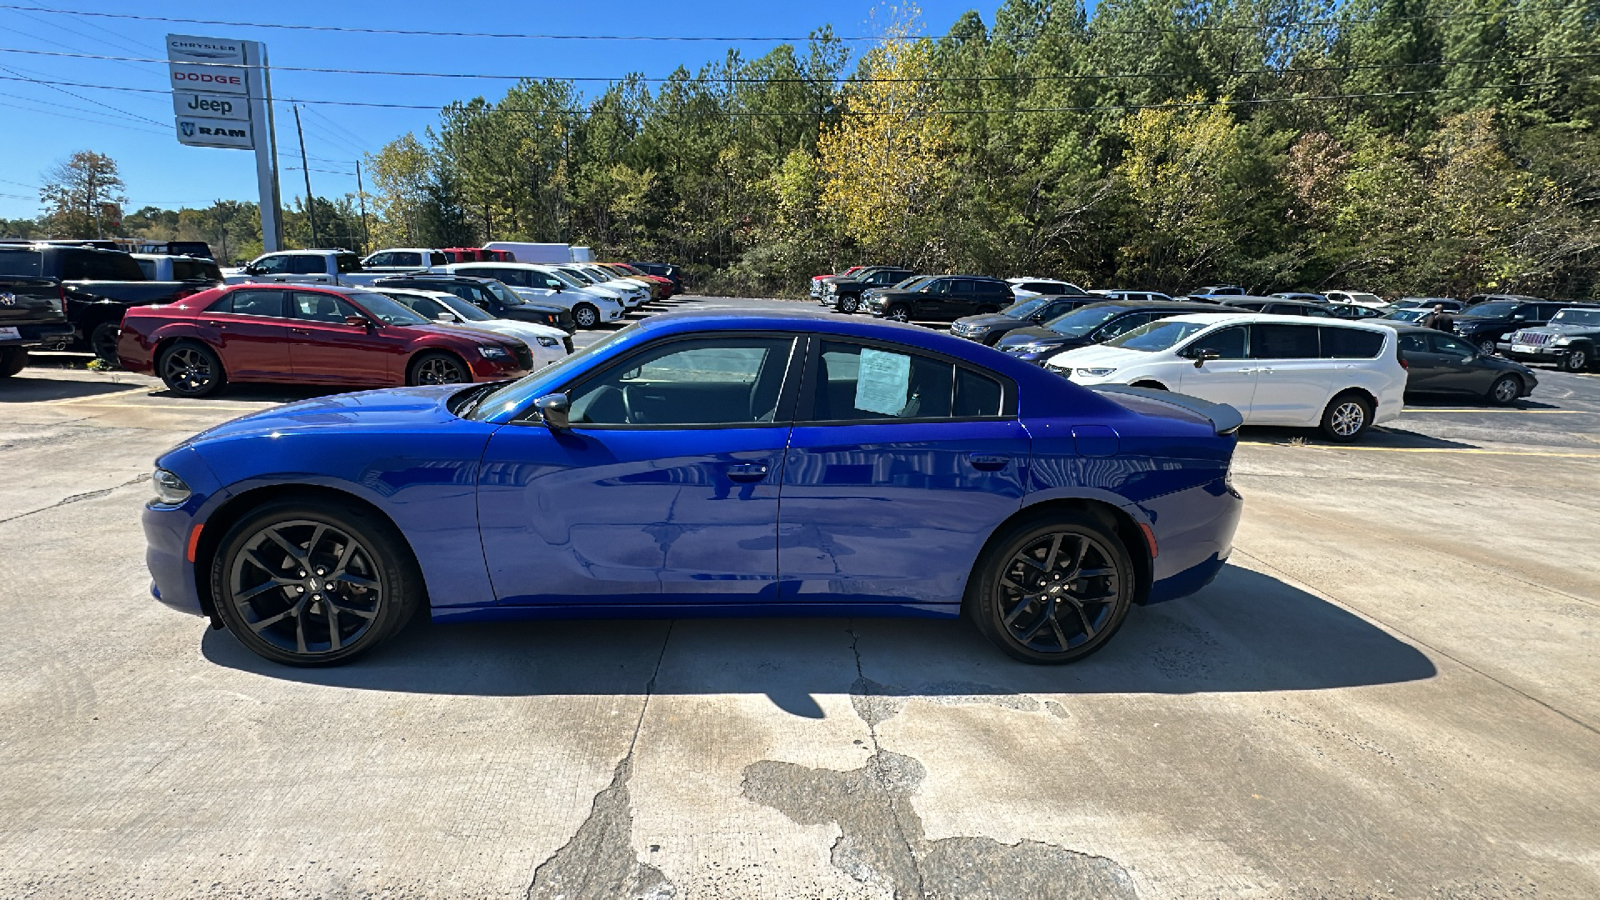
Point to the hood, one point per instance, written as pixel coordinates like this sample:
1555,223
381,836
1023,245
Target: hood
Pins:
1099,355
992,320
1035,334
458,333
392,407
1561,328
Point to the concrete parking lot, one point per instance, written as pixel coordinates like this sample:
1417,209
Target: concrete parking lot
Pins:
1390,692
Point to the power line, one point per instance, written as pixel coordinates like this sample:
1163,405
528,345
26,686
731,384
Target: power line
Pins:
45,112
344,29
62,90
813,80
55,106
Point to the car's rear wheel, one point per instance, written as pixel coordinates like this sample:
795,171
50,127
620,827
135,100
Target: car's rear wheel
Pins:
1152,385
190,369
437,368
12,361
1348,417
313,584
1505,390
586,315
103,341
898,314
1052,589
1576,360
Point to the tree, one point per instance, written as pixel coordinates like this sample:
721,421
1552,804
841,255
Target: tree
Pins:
83,196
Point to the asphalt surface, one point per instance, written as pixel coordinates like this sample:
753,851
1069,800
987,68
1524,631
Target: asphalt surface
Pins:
1390,692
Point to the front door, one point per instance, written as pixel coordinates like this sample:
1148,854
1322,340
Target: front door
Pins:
1230,379
250,332
664,490
329,350
899,468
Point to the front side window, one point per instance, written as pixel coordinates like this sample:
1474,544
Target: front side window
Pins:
1451,346
148,267
1227,343
942,286
729,381
276,264
250,303
381,259
1284,342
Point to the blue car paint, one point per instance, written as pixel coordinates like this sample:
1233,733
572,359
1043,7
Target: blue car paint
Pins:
512,520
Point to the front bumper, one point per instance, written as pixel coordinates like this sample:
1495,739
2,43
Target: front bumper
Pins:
1547,353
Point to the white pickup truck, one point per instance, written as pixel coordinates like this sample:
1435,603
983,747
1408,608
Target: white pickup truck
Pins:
307,267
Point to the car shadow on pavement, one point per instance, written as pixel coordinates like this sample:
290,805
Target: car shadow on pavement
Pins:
1384,436
1247,632
30,389
1468,404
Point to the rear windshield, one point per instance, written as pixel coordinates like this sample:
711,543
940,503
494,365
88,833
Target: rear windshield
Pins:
20,262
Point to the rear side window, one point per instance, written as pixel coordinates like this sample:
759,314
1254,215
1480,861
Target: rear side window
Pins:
976,395
1352,343
1413,343
1284,342
148,267
306,265
437,259
318,307
89,265
250,303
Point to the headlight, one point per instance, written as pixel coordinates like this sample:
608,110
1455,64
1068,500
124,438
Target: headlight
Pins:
547,341
1561,341
832,289
977,329
1093,373
488,352
170,489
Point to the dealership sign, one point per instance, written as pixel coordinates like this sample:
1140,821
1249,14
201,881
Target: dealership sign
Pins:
210,91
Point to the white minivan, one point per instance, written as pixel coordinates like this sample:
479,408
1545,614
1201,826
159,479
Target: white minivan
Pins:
1342,377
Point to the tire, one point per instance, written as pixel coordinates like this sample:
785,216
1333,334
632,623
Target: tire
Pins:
12,361
1505,390
1057,623
277,604
1486,346
586,315
103,341
1347,417
849,304
1576,360
437,368
898,314
1152,385
191,369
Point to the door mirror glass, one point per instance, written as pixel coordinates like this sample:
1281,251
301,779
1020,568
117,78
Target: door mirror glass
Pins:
356,321
553,410
446,318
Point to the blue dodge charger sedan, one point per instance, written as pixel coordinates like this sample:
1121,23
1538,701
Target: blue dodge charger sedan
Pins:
707,463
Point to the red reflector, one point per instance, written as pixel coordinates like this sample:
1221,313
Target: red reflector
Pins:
1404,364
194,541
1149,537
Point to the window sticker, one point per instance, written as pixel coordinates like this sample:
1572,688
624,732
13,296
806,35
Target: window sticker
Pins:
883,382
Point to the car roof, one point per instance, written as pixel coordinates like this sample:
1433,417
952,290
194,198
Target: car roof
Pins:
1235,301
296,286
1156,304
1254,318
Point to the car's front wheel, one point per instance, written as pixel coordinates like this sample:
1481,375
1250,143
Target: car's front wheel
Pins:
1348,417
586,315
1052,589
438,368
1576,360
312,584
191,369
1505,390
898,314
849,304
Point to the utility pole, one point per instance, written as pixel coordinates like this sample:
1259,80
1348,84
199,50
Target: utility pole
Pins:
361,194
311,206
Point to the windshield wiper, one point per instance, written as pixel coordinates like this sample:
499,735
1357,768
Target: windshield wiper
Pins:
478,393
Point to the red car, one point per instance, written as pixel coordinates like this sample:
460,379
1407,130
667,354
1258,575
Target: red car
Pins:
660,288
306,335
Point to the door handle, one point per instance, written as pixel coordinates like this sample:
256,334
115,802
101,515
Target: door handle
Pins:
299,331
211,324
988,462
747,473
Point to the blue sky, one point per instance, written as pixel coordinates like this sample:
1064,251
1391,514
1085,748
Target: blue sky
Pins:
42,125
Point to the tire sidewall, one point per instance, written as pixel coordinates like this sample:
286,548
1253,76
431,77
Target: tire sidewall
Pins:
217,382
898,314
1334,404
1576,360
413,372
401,580
982,604
1494,390
583,310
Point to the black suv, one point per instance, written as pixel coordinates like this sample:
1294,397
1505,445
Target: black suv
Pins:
844,293
488,295
1277,306
990,328
1094,324
1486,323
31,313
942,299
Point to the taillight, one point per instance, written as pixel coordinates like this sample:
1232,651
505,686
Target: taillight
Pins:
61,299
1404,364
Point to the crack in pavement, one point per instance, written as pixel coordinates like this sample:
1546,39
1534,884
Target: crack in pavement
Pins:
882,839
599,861
87,495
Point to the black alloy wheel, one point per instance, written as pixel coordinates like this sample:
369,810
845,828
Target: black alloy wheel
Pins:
1054,589
191,370
585,315
898,314
311,584
12,361
103,341
1505,390
1486,346
1348,417
438,368
1576,360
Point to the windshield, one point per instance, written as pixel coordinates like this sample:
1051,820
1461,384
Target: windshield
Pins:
1576,317
464,309
1153,336
1026,308
565,278
912,283
510,396
1492,310
387,311
582,279
1080,322
504,294
1409,315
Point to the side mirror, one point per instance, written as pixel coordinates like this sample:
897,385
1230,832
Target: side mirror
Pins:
357,321
252,270
1200,356
553,409
446,318
558,288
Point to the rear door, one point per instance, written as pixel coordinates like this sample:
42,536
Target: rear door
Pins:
1293,381
328,350
900,465
250,332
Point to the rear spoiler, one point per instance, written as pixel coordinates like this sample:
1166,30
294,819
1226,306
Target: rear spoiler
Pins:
1224,418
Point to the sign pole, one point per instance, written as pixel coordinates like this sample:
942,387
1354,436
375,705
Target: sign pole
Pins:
266,146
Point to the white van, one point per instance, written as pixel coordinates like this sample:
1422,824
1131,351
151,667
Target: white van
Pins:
1342,377
523,252
541,284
